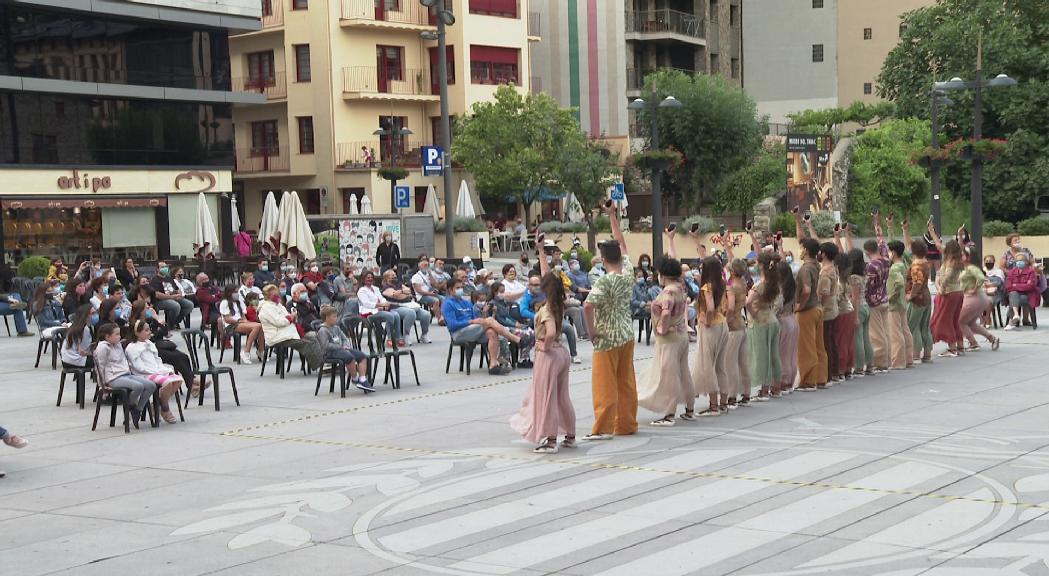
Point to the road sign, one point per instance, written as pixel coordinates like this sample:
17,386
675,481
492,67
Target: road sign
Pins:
433,160
619,192
402,197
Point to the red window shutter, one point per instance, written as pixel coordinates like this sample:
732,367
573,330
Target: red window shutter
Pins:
494,54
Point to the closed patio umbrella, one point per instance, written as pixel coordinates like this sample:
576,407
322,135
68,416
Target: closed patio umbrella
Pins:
431,204
366,204
573,210
296,238
234,215
268,225
204,235
464,206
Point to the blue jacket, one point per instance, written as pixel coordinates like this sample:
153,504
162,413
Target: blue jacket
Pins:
50,316
526,305
458,312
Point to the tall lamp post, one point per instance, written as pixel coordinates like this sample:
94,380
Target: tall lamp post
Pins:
394,135
937,99
445,18
657,172
976,184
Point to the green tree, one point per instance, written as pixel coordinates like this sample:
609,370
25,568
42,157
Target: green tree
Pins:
939,43
585,169
512,145
822,121
717,128
881,173
764,176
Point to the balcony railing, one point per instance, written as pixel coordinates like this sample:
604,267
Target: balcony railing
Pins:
372,80
405,12
370,154
535,27
275,87
635,77
272,13
259,160
664,21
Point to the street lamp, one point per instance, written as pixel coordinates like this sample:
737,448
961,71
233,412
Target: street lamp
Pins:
393,134
657,172
937,98
444,18
976,184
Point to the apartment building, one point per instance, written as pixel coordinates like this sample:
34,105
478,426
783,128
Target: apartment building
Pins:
813,54
113,117
595,54
336,71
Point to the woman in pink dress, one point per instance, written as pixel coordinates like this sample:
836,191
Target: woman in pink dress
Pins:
547,410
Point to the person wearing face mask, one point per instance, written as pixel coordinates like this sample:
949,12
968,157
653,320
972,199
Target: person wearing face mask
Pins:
465,326
57,271
400,298
581,284
514,288
263,274
373,303
232,311
99,291
279,327
388,254
247,285
306,311
597,270
289,277
1021,284
640,299
208,296
76,346
47,311
170,301
426,293
1014,250
502,309
645,263
313,277
523,266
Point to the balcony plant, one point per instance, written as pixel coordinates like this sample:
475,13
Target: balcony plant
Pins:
668,158
928,157
986,149
393,173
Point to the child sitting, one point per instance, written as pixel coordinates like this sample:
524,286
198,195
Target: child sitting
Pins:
338,347
145,361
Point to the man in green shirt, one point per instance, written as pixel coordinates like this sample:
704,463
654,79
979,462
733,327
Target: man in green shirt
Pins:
901,343
607,313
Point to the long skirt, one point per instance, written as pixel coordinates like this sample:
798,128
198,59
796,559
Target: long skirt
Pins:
736,365
863,347
788,351
946,318
845,341
667,381
547,410
765,367
708,370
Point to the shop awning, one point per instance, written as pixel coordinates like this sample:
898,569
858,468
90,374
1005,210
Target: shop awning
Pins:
81,202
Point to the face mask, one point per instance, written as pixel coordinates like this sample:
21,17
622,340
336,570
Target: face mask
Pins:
283,291
304,296
459,292
754,271
264,267
549,259
276,299
575,255
1021,264
644,264
149,314
573,267
292,275
105,290
94,319
599,266
314,269
988,265
206,283
534,290
558,268
789,259
640,281
524,260
164,270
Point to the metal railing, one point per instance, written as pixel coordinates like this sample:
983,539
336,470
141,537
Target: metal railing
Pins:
274,87
535,27
405,12
272,13
635,77
664,20
370,154
375,80
256,160
507,8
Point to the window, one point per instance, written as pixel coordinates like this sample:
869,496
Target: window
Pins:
435,70
868,88
903,29
300,4
817,52
392,144
817,3
735,68
389,61
435,129
733,15
867,33
713,10
715,63
302,63
60,109
493,65
504,8
267,8
264,140
305,134
260,70
45,148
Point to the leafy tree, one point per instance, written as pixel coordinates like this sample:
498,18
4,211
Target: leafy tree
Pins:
765,176
822,121
881,173
717,128
512,145
584,169
940,42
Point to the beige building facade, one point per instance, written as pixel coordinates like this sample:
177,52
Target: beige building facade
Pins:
335,71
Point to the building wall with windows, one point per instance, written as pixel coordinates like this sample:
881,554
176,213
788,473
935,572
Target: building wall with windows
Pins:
791,49
866,33
368,69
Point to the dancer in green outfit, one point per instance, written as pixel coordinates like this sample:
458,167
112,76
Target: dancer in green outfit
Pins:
763,303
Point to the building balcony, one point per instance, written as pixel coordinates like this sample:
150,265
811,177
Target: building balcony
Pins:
374,154
275,87
408,15
373,83
262,160
665,25
635,78
535,28
272,14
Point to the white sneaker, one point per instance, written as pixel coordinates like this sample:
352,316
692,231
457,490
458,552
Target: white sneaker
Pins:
595,437
427,339
1010,326
576,360
246,361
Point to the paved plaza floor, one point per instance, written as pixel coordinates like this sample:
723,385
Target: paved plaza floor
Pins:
939,470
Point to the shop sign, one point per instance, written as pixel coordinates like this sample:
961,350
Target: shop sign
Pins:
84,181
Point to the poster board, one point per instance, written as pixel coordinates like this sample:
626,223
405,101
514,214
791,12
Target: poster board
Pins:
809,174
359,238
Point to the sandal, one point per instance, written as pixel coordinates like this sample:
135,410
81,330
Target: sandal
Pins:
547,447
168,417
664,421
973,347
689,415
709,413
948,354
997,342
568,442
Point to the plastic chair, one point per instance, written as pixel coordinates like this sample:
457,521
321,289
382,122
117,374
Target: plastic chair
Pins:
54,342
392,371
193,339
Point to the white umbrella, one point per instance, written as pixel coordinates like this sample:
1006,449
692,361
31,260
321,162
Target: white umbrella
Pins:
431,204
269,223
573,209
282,222
464,207
366,204
353,204
296,238
234,215
204,235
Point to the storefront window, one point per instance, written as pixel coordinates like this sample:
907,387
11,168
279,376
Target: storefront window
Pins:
79,233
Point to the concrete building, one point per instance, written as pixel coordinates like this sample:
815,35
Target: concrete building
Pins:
595,54
113,116
335,71
813,54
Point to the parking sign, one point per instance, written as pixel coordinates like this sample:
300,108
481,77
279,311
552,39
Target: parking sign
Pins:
618,192
402,197
433,160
